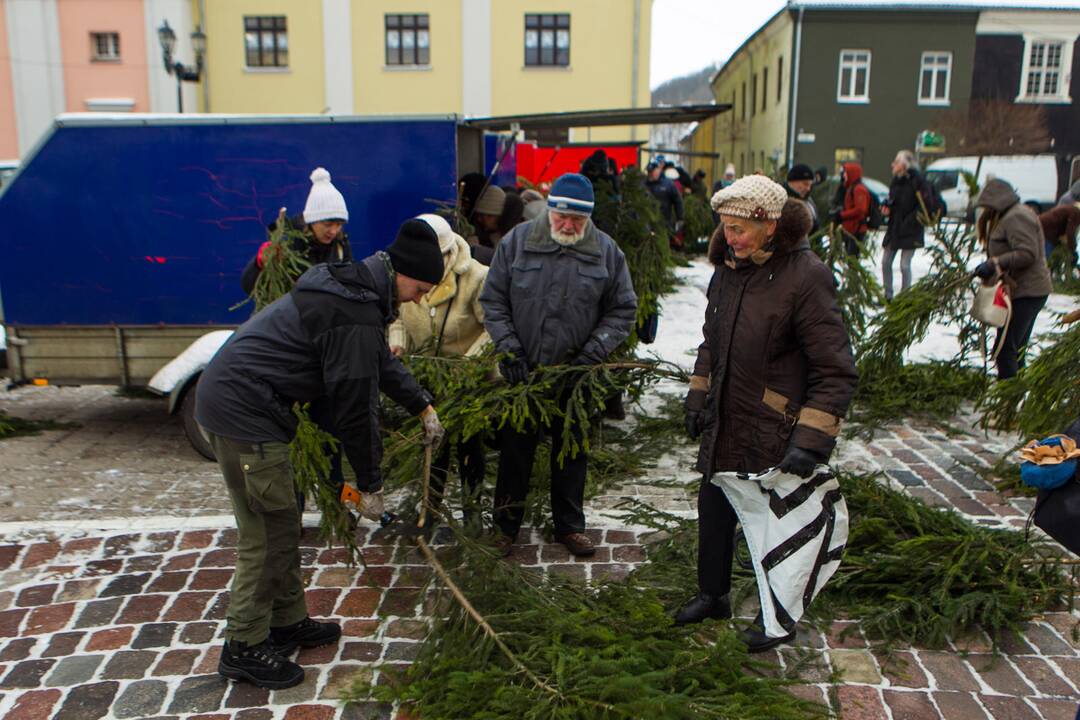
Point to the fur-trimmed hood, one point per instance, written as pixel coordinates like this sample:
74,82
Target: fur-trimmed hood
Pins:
791,231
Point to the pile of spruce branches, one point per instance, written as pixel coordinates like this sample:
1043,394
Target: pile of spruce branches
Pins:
11,427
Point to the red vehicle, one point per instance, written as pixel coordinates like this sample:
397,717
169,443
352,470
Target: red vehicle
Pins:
543,163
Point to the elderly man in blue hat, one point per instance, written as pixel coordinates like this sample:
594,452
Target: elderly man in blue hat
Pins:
558,293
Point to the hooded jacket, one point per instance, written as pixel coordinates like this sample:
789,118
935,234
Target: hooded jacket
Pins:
315,252
669,197
856,201
450,310
776,360
324,341
1015,240
904,231
551,303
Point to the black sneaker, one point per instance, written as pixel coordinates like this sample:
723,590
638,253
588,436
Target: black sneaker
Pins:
704,607
757,641
306,633
259,665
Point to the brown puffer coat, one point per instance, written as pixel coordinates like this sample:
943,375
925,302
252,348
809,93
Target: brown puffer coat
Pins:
776,362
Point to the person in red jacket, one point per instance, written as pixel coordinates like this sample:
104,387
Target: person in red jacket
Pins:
856,208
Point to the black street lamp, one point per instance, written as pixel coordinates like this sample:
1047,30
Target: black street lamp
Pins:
167,38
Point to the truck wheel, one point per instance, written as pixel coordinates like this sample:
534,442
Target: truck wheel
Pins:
191,428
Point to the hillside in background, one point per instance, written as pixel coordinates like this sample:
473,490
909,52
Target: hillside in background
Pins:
692,88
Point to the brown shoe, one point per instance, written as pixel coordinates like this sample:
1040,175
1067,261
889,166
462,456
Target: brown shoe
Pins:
578,544
503,544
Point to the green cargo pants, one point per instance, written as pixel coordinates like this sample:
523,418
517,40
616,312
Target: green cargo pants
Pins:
267,588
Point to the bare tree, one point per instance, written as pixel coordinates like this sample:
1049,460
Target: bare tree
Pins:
994,127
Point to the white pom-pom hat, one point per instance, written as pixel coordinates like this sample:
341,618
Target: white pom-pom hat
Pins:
755,197
324,202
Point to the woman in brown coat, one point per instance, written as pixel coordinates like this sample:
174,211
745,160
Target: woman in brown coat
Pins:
774,374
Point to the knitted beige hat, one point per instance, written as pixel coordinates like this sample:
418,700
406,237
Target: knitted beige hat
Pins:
755,197
491,201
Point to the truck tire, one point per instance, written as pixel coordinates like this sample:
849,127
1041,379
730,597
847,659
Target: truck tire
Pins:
191,428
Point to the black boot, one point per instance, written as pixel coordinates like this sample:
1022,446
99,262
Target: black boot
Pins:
703,607
259,665
757,641
306,633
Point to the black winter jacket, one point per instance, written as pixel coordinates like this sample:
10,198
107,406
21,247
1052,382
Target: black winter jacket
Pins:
315,251
904,231
665,192
325,341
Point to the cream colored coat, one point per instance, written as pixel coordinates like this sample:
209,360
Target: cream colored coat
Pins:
419,324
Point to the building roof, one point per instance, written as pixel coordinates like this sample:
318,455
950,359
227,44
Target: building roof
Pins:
593,118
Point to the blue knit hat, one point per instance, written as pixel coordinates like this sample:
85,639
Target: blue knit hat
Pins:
572,194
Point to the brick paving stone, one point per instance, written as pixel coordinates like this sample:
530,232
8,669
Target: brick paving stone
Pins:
335,577
333,556
63,644
129,665
949,671
628,554
1045,678
186,561
902,670
377,555
366,651
317,655
142,563
48,619
126,585
341,677
37,595
75,590
88,702
8,554
40,553
999,674
227,538
907,705
188,606
808,638
110,639
81,545
7,598
1052,709
810,663
198,633
402,651
958,706
222,558
168,582
1013,643
928,496
411,576
154,635
142,609
140,699
620,537
857,665
301,693
74,670
97,568
246,695
209,663
861,703
34,705
367,711
411,629
610,572
400,602
176,662
905,477
254,714
567,571
310,712
10,620
1004,707
217,608
17,649
321,603
98,613
361,602
213,579
120,545
1066,625
27,674
845,634
161,542
525,554
196,539
1070,666
199,694
1046,640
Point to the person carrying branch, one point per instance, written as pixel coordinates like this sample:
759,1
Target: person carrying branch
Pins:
325,340
558,293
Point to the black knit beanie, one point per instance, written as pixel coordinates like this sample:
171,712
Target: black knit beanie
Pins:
415,252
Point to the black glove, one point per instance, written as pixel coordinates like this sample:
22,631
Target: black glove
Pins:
581,360
798,462
695,407
986,270
835,214
514,369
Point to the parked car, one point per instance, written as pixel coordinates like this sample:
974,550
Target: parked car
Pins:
1035,178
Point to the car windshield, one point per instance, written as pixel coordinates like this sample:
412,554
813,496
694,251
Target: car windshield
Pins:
943,179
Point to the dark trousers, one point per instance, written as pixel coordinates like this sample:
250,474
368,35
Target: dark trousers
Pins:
516,454
716,540
1024,311
471,468
851,243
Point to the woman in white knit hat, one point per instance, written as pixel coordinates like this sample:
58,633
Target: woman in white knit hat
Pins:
322,224
773,377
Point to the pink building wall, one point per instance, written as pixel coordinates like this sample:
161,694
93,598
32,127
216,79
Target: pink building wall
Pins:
9,140
85,78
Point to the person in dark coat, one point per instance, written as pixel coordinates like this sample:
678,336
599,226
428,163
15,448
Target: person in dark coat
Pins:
1016,254
666,193
1059,225
773,377
325,340
905,231
322,224
558,292
855,210
800,181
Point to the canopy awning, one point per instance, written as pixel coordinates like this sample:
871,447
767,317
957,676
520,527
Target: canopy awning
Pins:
594,118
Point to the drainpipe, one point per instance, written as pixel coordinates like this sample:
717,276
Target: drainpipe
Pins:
206,66
636,48
794,91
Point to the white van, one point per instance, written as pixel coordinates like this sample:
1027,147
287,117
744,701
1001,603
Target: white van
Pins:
1035,177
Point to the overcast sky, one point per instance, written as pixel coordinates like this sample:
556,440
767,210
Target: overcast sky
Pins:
687,35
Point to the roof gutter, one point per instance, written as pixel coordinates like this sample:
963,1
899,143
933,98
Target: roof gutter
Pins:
794,92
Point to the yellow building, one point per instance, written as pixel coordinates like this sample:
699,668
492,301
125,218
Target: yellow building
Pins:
468,57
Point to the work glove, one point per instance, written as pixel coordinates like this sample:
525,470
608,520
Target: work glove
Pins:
580,361
695,409
514,369
433,429
371,505
986,270
798,462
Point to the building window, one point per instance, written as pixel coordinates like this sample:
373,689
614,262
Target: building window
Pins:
104,46
742,103
547,40
853,83
266,41
753,95
934,76
1044,76
408,40
764,89
779,79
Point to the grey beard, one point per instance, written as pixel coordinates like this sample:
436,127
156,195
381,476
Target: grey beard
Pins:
567,239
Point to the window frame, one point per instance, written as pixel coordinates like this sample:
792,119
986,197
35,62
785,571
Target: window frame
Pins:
1064,70
854,65
413,24
112,38
278,27
753,95
779,79
934,70
542,26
